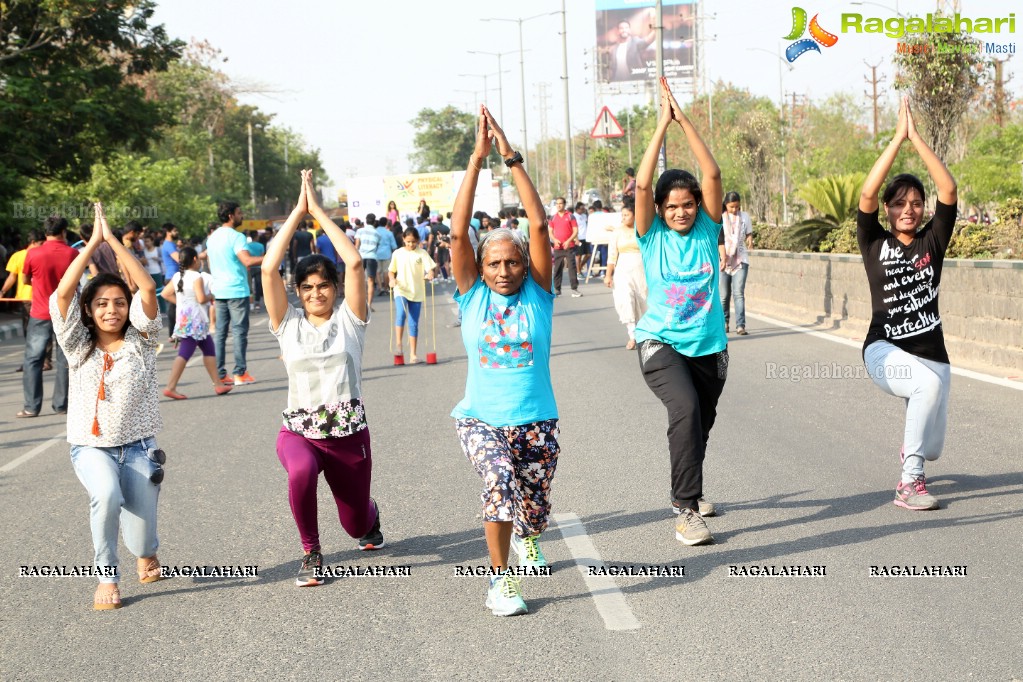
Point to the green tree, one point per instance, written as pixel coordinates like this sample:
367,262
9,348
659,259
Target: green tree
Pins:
444,140
941,82
834,199
990,172
68,71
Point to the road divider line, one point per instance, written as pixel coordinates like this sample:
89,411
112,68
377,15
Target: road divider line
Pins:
610,602
39,449
968,373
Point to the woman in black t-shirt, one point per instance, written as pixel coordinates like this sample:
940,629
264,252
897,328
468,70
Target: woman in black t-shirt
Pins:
904,350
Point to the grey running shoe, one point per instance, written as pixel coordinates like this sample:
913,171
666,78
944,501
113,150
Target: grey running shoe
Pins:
691,529
310,573
706,508
914,495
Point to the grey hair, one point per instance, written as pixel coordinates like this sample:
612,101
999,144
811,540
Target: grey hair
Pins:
502,234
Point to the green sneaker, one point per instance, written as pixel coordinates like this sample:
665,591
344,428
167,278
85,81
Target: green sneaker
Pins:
504,598
528,551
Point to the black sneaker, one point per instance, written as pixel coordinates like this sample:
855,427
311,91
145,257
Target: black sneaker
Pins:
309,574
374,539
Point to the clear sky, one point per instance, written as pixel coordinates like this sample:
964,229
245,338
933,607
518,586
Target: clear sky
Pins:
349,75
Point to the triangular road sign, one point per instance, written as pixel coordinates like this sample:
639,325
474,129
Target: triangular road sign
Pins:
607,125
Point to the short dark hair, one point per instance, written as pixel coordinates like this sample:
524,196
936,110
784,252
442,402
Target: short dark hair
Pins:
55,225
382,221
731,198
677,179
629,203
132,226
412,232
34,236
168,226
316,264
85,229
371,218
630,171
899,185
226,209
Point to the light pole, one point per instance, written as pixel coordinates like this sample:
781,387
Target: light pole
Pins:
500,85
522,77
570,165
484,76
781,114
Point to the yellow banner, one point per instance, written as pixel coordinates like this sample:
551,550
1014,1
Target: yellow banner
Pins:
438,189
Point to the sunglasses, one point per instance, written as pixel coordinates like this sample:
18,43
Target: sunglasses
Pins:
158,457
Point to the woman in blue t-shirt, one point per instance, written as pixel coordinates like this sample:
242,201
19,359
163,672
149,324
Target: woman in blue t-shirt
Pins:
681,338
508,421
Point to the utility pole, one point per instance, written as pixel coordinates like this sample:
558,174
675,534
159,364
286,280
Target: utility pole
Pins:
874,94
542,145
252,172
568,119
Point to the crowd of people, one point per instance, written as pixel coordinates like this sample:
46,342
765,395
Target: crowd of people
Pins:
678,258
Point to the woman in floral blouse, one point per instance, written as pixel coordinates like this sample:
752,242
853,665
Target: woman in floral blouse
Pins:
325,425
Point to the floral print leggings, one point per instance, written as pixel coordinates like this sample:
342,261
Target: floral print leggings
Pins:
517,465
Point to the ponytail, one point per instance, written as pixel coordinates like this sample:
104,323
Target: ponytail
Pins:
186,259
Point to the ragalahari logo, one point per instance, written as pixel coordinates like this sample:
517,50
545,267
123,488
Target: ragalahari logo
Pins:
819,35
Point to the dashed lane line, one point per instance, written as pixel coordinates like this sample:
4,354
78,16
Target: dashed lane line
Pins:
610,602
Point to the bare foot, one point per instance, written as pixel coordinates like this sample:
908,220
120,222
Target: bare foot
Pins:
631,345
107,597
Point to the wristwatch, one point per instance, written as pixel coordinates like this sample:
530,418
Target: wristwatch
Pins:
515,158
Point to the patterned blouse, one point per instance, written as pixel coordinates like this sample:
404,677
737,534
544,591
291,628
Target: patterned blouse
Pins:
130,409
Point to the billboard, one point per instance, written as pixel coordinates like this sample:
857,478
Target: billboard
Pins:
372,194
626,39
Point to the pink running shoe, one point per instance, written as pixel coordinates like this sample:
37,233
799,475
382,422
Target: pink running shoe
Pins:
914,495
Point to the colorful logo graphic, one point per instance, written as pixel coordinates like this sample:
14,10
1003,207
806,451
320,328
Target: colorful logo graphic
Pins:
819,35
404,187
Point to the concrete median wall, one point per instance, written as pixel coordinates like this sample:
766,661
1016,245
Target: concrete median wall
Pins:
981,302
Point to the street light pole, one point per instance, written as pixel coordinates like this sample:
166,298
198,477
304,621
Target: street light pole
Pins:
568,120
500,82
781,114
522,79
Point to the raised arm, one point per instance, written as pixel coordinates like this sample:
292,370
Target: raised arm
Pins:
877,174
710,182
274,292
463,259
68,284
948,192
540,264
355,278
645,209
134,271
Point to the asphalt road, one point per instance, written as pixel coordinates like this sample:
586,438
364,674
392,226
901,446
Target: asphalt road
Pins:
803,473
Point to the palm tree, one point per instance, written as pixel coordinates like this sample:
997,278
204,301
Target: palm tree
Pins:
834,200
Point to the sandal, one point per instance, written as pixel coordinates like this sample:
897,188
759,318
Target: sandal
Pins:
149,569
105,600
25,413
221,390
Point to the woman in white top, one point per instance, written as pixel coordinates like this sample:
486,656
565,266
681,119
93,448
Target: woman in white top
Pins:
110,340
325,426
625,274
733,250
189,291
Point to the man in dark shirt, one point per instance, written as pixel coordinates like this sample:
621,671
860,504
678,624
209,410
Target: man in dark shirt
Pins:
302,244
44,266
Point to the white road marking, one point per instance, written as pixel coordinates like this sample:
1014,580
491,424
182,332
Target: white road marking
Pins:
32,453
968,373
610,601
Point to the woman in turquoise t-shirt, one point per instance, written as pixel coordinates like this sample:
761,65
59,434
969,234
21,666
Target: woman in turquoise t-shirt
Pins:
508,421
681,338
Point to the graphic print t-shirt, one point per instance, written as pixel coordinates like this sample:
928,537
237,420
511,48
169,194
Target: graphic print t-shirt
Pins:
683,305
904,283
508,343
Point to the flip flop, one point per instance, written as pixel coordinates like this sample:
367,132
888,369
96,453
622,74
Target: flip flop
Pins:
150,573
25,413
115,600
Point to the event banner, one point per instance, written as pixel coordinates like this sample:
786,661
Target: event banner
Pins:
372,194
626,39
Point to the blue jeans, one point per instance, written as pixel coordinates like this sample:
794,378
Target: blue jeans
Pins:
233,311
39,332
120,494
924,385
734,285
